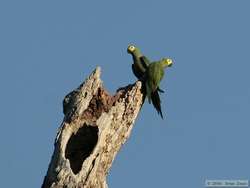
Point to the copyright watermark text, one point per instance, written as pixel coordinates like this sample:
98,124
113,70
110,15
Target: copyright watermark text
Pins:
226,183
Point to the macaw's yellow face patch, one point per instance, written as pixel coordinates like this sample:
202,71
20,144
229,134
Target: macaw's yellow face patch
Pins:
169,62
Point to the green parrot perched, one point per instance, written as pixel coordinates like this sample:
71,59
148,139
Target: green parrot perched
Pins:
140,63
145,71
154,75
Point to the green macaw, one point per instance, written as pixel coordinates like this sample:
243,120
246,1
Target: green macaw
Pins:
154,75
140,69
140,63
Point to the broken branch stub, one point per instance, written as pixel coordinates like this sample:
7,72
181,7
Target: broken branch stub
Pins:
94,128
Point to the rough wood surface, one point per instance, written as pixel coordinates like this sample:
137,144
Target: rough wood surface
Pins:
94,128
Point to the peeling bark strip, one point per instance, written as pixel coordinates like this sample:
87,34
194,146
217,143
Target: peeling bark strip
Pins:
94,128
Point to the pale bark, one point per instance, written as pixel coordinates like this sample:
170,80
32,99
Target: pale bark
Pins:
94,128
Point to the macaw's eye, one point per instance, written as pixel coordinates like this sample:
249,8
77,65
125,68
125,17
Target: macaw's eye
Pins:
132,48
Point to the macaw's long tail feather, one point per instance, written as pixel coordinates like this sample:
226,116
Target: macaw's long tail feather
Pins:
143,90
148,92
157,102
160,90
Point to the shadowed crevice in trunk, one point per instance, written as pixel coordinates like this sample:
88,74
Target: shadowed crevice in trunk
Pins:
80,146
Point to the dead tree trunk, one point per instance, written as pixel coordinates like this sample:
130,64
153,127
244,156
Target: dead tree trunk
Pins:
94,128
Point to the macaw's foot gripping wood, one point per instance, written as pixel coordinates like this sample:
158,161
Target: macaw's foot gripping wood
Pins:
94,128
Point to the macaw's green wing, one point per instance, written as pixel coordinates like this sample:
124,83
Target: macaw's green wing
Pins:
157,102
148,92
158,88
140,66
145,61
154,75
137,72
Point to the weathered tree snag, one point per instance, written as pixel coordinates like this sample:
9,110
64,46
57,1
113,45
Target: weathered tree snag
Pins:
94,128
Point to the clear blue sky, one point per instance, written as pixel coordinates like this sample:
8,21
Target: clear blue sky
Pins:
48,47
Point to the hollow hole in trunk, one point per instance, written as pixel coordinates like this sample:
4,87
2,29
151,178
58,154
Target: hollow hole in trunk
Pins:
80,146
